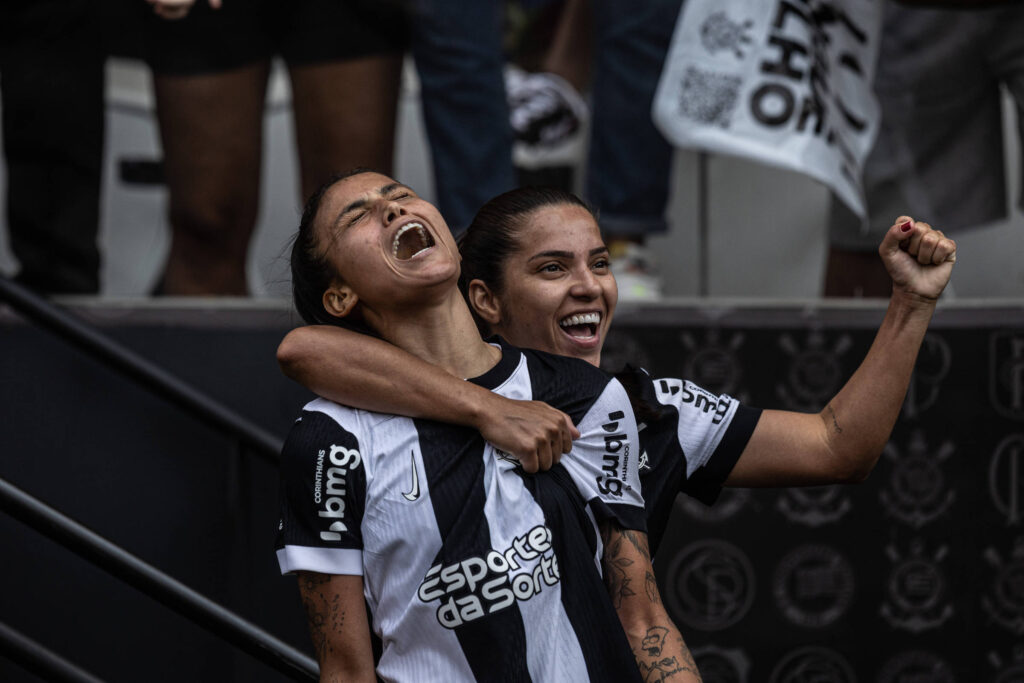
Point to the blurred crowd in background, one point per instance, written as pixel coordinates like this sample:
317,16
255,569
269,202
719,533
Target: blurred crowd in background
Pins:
508,88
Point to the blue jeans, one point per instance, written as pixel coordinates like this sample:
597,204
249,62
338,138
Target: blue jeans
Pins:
630,162
458,53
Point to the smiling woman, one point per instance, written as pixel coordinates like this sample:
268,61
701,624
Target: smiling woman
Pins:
536,271
479,570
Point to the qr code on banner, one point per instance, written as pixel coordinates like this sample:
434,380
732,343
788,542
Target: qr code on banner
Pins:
708,97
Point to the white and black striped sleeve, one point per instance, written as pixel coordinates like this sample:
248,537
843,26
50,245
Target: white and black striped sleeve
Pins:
604,461
710,430
322,495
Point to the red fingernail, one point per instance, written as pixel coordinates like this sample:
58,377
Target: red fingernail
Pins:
907,226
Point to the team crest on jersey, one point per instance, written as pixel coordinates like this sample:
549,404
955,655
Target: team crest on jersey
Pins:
645,462
505,456
472,588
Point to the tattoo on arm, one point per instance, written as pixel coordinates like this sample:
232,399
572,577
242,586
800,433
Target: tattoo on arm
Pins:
618,566
654,667
835,422
324,613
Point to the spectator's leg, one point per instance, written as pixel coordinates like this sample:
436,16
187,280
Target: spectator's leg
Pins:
51,84
629,163
211,128
457,48
571,54
345,114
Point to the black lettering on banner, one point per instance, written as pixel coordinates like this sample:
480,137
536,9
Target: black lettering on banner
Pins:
799,40
785,66
786,9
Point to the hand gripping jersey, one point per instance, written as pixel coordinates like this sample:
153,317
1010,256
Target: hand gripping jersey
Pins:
689,445
472,568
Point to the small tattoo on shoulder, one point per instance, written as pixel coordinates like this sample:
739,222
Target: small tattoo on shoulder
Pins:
835,422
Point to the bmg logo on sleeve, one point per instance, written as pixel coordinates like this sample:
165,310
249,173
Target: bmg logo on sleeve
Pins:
333,484
615,457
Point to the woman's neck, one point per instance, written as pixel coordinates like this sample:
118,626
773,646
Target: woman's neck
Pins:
443,334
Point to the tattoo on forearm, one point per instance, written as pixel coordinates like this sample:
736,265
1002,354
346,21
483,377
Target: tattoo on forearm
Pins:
835,422
324,612
616,569
639,541
651,588
654,667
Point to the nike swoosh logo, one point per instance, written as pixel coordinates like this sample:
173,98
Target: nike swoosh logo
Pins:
415,493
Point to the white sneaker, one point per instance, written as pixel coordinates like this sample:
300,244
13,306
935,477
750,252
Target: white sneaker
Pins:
547,115
636,274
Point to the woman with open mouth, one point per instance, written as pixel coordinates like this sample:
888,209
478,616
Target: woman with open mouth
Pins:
473,568
535,271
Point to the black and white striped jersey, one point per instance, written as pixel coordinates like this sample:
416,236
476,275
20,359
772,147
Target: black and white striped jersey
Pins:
472,568
691,447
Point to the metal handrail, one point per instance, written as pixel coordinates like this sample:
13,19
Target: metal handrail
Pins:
139,369
151,581
39,660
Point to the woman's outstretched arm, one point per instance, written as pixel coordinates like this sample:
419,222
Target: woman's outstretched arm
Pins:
842,443
371,374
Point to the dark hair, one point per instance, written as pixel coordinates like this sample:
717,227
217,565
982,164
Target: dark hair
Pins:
493,235
312,271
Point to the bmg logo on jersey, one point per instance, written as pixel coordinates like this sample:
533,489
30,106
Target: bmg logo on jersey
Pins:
478,586
615,458
701,399
332,484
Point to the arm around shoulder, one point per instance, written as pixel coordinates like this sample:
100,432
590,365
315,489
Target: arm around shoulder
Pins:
368,373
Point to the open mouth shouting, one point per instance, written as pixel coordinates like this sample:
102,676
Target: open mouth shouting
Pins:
581,326
411,239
